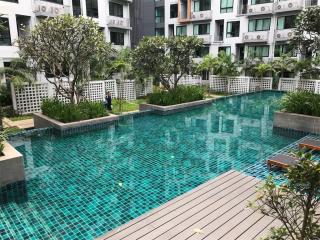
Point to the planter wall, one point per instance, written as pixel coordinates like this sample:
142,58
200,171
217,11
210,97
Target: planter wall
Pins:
42,121
298,122
11,166
165,110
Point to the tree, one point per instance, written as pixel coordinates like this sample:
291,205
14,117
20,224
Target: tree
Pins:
306,34
295,203
261,69
63,49
222,65
166,59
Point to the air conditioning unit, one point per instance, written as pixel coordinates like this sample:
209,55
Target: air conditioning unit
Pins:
278,35
258,37
290,5
279,7
246,37
289,34
250,10
263,9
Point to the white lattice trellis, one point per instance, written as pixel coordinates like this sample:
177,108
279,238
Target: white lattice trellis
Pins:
218,84
142,89
260,83
288,84
127,90
307,85
28,99
238,84
95,91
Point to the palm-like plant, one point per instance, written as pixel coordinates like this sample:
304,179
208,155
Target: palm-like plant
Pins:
261,69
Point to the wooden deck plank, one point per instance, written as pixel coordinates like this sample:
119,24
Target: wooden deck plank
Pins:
256,228
207,188
210,219
201,203
266,230
218,208
242,226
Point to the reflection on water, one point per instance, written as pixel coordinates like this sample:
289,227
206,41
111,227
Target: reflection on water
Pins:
81,186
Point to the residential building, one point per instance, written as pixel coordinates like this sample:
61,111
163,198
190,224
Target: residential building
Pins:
113,17
241,28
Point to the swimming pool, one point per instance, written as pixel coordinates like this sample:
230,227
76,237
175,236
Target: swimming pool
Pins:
83,185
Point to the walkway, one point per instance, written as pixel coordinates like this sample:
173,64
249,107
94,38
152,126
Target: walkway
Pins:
214,210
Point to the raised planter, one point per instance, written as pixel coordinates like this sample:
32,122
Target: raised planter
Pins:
42,121
298,122
165,110
11,166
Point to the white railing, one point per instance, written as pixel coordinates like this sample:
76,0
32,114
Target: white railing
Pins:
258,9
239,84
283,34
293,84
259,36
288,5
188,80
28,99
202,15
118,22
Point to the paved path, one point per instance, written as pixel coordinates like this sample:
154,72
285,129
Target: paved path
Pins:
214,210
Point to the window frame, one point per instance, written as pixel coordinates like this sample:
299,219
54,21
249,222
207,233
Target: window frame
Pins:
199,26
237,33
226,49
160,17
119,40
117,9
256,47
91,10
5,36
285,21
227,8
171,11
278,53
256,21
181,27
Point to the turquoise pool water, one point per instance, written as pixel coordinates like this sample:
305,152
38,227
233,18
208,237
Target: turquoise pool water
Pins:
83,185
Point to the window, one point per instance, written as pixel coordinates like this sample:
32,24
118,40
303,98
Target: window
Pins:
14,1
76,7
117,38
92,8
201,29
284,48
181,30
203,51
226,6
227,50
55,1
258,51
173,10
254,2
286,22
115,9
159,31
5,39
159,14
233,29
259,24
201,5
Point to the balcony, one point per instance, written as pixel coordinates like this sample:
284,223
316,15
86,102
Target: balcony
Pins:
118,22
256,37
289,5
49,9
266,8
202,15
283,34
206,38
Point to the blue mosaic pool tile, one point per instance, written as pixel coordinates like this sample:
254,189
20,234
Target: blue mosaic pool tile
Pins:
80,186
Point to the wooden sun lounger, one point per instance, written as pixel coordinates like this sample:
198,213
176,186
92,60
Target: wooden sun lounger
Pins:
282,161
310,143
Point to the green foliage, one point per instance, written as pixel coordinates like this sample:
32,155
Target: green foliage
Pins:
64,47
3,138
18,72
163,58
261,69
222,65
67,112
180,94
119,107
306,35
5,96
294,203
301,102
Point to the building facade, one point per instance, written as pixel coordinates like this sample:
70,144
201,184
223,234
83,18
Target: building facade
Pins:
113,17
241,28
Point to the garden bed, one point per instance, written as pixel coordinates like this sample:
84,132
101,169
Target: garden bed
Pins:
11,166
42,121
298,122
165,110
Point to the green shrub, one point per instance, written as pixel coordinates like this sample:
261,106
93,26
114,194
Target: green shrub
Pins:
180,94
301,102
67,112
3,138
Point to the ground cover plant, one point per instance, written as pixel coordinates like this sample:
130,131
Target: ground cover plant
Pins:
3,138
301,102
67,112
180,94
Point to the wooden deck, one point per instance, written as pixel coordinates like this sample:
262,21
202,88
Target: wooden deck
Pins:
214,210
